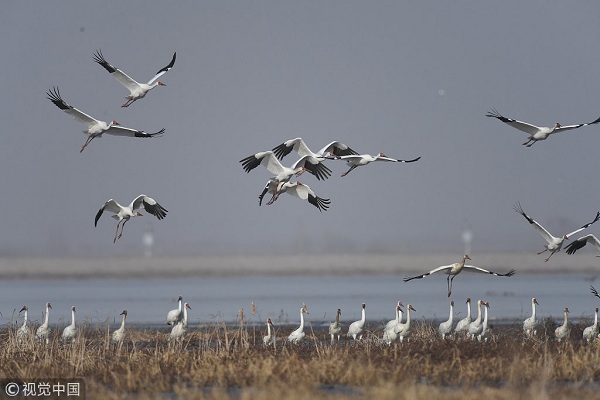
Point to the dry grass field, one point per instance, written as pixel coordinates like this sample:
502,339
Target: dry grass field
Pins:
225,361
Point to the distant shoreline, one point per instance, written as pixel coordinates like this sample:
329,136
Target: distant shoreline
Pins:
281,264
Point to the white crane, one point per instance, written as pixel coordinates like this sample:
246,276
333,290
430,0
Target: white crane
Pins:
270,338
96,128
296,189
174,316
123,214
357,327
445,327
23,332
331,150
283,174
591,332
335,328
485,332
43,331
119,334
70,331
180,327
531,323
475,326
563,331
405,330
554,243
358,160
536,133
136,90
463,324
454,269
581,242
297,335
389,333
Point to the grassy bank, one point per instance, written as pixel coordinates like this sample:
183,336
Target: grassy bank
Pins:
231,362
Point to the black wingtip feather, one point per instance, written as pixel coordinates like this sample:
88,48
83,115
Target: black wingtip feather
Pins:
168,67
54,96
99,58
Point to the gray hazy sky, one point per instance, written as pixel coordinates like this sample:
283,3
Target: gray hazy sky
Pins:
405,78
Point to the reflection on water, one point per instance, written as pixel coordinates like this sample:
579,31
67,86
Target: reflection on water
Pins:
280,298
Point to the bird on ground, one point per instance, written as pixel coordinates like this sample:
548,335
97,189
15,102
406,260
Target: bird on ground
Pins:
297,335
297,189
591,332
355,330
43,331
357,160
331,150
581,242
475,327
445,327
405,330
180,327
554,243
531,323
270,338
389,334
123,214
284,174
463,324
563,331
96,128
454,269
136,90
70,331
335,328
485,332
119,334
23,332
536,133
174,316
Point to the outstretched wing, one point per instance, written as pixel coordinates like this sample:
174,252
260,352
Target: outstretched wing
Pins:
265,158
594,291
545,234
314,166
296,145
149,205
118,130
485,271
164,70
581,242
304,192
111,206
433,271
520,125
54,96
337,149
583,227
121,76
380,158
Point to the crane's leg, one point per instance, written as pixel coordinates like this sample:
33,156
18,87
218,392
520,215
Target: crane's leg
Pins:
542,252
129,102
89,139
347,172
275,197
551,254
122,227
117,231
450,284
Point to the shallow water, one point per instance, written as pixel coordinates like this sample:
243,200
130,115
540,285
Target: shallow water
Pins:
280,298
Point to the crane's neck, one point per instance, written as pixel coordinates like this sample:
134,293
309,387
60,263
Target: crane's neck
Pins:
268,330
301,320
533,310
400,314
46,317
485,316
469,310
478,312
123,322
596,319
25,318
337,318
73,318
451,313
566,319
185,316
364,316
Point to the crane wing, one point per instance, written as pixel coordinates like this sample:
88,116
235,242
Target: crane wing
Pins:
520,125
337,149
121,76
111,206
583,227
265,158
304,192
164,70
485,271
433,271
314,166
581,242
54,96
118,130
545,234
149,205
296,145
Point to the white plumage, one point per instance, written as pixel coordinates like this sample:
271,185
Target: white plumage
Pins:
357,160
43,331
463,324
563,331
531,323
297,335
355,330
445,327
70,331
119,334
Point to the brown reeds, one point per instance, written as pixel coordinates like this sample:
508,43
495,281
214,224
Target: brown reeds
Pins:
229,361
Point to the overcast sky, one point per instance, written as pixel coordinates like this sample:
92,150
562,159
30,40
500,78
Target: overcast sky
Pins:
404,78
